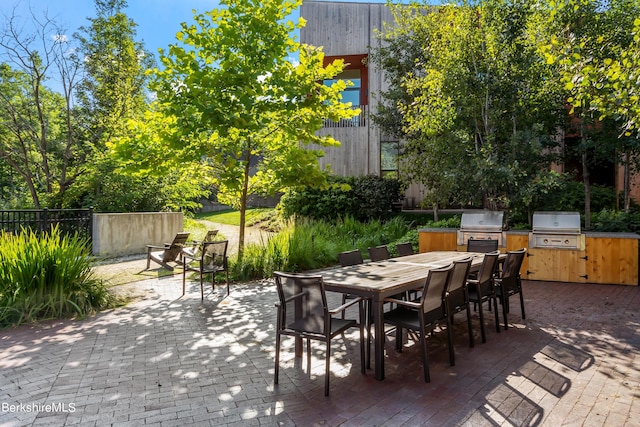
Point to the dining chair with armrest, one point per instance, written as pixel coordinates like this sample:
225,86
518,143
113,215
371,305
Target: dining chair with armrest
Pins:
509,282
303,312
421,316
482,245
456,299
482,289
379,253
405,249
212,260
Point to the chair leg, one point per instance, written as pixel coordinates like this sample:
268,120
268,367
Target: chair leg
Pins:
469,327
398,339
227,277
452,354
505,301
425,362
201,287
326,368
361,307
184,281
522,304
481,314
277,366
495,312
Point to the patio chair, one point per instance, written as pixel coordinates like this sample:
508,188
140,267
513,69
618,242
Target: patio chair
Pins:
482,245
348,258
212,260
196,245
379,253
405,249
509,282
303,313
456,299
169,252
421,316
482,289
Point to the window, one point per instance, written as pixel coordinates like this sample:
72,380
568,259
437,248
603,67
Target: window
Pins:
389,151
351,93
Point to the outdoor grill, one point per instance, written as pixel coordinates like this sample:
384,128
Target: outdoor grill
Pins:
481,224
558,230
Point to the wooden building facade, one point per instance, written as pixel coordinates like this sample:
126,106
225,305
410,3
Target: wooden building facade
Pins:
346,31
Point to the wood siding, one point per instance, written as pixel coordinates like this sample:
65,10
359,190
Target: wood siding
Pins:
343,29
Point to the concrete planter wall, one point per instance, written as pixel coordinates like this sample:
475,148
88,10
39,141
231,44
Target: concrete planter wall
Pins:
118,234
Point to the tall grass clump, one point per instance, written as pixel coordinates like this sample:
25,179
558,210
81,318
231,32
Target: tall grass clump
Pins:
47,276
306,244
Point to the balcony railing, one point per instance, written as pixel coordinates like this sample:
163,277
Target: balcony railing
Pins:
357,121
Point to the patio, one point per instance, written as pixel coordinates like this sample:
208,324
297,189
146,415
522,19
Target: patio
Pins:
166,360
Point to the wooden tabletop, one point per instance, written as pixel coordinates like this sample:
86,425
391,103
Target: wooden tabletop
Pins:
393,274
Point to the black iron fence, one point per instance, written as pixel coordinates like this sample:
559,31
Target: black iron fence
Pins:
68,221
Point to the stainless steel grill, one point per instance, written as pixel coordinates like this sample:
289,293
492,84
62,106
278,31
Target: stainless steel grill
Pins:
559,230
481,224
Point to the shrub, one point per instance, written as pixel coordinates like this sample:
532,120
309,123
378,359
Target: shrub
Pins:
363,198
307,244
47,276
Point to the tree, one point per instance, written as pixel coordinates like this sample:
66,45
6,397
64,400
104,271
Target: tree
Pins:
591,44
476,107
38,138
113,92
230,97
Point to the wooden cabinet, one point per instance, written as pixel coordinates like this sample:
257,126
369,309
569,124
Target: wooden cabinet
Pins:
612,260
608,258
437,240
559,265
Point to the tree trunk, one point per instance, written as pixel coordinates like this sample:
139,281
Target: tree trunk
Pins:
243,200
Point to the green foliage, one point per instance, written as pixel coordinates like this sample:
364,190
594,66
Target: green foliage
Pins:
470,98
363,198
453,222
237,103
307,244
47,276
609,220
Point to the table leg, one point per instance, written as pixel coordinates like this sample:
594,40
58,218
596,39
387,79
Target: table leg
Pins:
378,342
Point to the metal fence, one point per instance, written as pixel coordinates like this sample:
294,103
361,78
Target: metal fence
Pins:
68,221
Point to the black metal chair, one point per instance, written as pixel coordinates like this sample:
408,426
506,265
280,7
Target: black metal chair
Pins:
482,245
482,289
405,249
456,299
303,313
422,316
509,282
349,258
379,253
196,245
212,260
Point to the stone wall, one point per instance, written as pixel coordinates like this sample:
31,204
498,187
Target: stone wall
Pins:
118,234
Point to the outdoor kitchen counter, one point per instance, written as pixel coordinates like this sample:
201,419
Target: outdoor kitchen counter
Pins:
608,258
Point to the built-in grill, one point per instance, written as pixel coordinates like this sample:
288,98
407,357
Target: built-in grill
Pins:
558,230
481,224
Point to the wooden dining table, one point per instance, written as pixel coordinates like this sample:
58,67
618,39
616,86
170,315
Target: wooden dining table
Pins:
382,279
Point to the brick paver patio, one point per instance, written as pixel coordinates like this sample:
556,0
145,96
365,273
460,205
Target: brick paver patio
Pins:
168,361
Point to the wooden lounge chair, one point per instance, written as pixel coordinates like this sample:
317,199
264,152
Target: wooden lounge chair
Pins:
169,252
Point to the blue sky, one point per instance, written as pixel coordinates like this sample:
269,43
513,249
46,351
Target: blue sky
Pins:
158,20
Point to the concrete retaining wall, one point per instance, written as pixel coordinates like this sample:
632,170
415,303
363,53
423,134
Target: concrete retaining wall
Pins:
118,234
